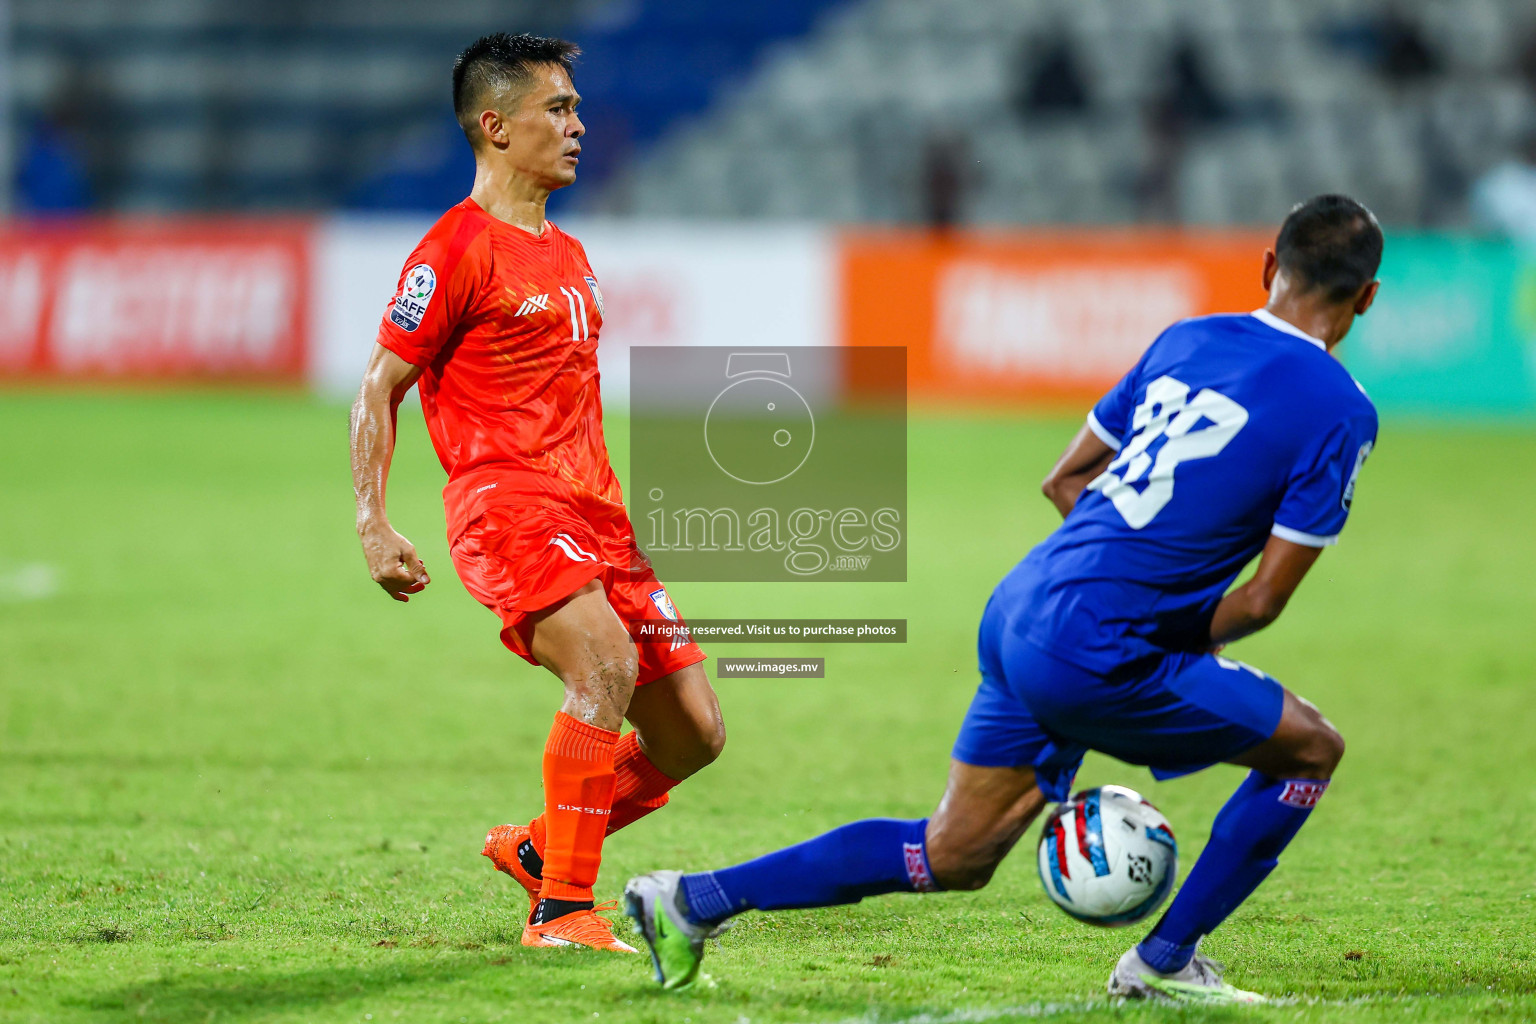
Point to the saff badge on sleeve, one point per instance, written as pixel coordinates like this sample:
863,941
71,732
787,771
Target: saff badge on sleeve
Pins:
415,293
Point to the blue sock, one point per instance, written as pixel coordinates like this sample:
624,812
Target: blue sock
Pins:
1260,819
865,858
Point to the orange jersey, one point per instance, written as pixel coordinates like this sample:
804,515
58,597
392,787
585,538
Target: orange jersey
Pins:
504,325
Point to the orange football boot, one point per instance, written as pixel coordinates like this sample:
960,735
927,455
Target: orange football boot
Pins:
501,845
579,928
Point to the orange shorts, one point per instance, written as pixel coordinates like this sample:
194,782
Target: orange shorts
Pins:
517,560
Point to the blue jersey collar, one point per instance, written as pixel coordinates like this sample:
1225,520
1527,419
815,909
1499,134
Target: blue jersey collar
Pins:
1264,316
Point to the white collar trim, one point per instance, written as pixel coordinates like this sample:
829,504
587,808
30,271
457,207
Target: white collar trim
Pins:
1264,316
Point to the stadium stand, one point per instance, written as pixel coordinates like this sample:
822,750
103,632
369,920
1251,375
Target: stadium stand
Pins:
1213,111
224,104
229,104
997,111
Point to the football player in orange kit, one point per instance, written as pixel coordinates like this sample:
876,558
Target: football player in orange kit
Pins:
496,321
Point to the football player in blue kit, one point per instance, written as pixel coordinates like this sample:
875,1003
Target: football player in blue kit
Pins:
1234,436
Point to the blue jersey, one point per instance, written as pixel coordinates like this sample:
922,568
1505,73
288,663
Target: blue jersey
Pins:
1229,429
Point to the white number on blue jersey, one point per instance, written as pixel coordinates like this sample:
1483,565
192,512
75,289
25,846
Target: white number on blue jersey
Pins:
1168,412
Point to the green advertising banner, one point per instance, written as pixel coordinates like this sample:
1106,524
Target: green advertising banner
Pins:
1453,330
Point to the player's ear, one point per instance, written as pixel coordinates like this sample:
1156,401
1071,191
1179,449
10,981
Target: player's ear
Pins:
494,127
1271,266
1366,297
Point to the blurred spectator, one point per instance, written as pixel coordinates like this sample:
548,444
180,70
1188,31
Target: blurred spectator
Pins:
1504,199
51,175
1050,80
1391,43
1187,102
1442,202
1404,54
946,178
53,160
1189,95
1525,62
1157,185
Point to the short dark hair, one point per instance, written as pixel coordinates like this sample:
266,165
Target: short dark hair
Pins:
501,61
1332,243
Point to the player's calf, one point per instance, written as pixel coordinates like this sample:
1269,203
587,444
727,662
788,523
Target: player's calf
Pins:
685,750
679,722
983,813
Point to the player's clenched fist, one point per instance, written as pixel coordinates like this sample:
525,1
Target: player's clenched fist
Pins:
393,564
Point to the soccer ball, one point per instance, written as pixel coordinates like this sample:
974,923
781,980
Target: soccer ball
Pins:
1107,856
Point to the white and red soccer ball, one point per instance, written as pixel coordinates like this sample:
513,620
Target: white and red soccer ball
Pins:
1107,856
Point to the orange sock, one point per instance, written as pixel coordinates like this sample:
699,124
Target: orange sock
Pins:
578,796
639,789
639,786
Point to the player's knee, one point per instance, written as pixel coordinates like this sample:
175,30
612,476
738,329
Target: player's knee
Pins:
700,750
1332,744
713,742
1320,753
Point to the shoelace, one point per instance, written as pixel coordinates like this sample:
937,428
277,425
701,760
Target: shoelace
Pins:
1209,968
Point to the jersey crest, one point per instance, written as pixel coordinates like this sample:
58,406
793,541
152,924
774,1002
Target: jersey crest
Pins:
415,293
663,603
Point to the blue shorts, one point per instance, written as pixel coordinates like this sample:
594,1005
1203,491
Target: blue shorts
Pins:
1175,713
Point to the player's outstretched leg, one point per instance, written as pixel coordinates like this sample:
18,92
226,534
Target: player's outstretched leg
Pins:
582,642
982,815
1290,772
675,913
678,731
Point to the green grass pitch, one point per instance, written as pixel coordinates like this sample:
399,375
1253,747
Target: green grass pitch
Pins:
239,784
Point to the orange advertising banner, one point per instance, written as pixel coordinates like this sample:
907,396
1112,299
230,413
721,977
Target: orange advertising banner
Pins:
215,300
1035,316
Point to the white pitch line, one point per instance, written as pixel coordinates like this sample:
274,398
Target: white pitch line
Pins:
35,582
1037,1011
975,1016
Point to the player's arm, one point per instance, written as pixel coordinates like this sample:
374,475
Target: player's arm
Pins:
1259,602
1085,458
391,558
